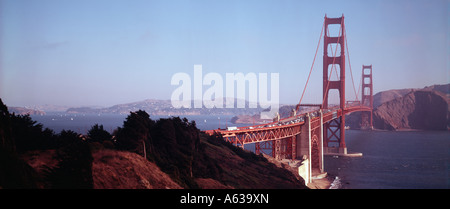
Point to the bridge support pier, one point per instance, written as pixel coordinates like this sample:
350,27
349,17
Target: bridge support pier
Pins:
309,145
335,150
334,136
322,169
277,154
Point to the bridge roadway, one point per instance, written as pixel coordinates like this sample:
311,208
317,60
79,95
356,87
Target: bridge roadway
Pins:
285,127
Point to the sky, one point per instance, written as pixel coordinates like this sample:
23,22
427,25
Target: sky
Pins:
107,52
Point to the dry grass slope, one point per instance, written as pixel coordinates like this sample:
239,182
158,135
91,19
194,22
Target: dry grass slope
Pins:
125,170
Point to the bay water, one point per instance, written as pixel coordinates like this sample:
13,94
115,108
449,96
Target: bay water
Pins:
393,160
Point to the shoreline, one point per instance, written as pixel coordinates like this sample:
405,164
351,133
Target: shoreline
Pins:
322,183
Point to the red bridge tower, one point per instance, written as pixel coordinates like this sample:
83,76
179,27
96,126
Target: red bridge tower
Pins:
367,97
330,132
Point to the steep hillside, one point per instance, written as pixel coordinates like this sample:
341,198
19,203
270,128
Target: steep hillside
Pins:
416,110
425,108
111,169
216,165
386,96
125,170
234,167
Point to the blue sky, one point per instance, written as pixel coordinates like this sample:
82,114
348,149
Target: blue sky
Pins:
106,52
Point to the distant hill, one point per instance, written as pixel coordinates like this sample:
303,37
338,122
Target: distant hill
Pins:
24,111
385,96
49,108
421,109
164,107
426,109
444,88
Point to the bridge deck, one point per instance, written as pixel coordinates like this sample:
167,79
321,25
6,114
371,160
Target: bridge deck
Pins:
284,128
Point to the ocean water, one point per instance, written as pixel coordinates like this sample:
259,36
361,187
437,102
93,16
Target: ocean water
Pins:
391,159
81,123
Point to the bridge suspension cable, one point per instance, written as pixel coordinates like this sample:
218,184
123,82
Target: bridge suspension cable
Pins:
359,85
333,68
312,66
350,65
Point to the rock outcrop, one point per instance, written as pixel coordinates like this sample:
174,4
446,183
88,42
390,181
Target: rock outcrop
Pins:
420,109
386,96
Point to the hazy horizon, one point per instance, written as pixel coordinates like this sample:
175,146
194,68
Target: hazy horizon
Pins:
103,53
129,102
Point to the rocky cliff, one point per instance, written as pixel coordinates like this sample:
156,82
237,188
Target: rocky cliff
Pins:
386,96
425,109
420,109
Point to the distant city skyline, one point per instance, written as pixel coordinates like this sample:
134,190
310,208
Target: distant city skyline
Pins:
103,52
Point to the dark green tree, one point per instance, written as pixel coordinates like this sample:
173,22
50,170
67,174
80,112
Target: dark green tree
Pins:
6,136
175,142
14,172
98,134
30,135
135,134
68,137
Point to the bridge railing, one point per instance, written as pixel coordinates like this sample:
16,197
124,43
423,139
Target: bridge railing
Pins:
352,103
283,122
289,121
298,119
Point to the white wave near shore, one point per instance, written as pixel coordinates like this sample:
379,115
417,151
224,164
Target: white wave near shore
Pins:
336,184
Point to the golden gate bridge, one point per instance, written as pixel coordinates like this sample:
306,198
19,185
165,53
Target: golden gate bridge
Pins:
320,131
